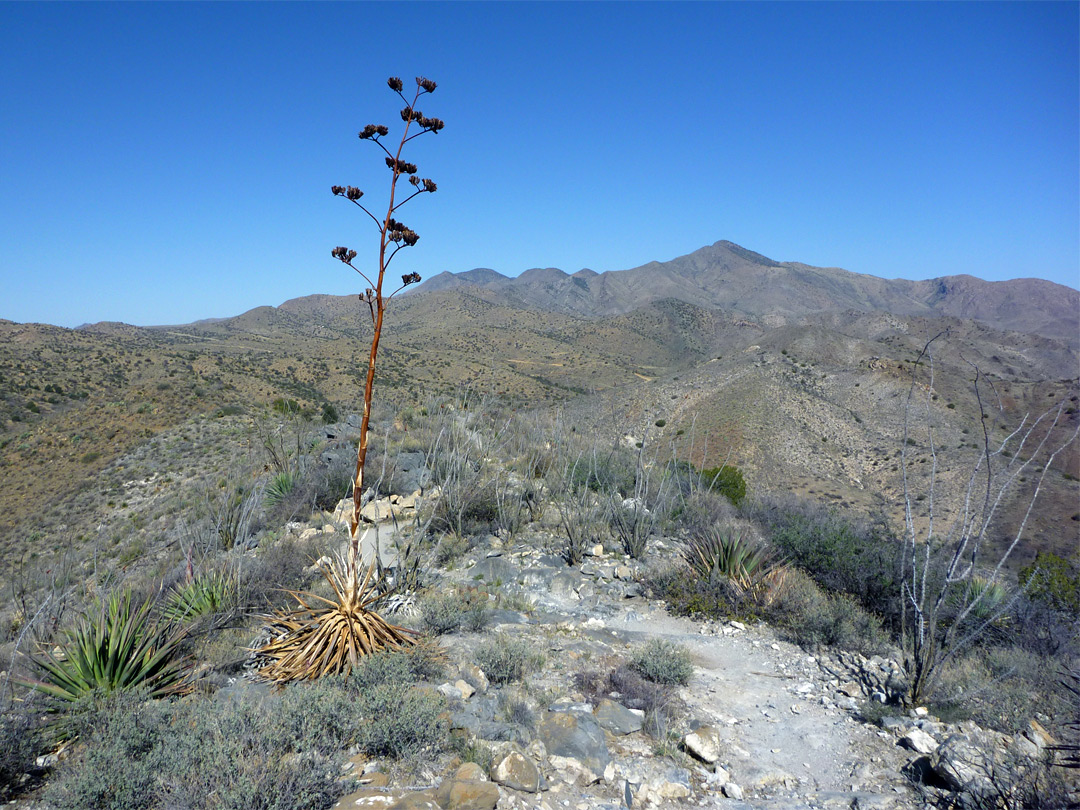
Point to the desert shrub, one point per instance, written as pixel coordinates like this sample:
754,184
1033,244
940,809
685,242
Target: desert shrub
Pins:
330,413
700,511
664,662
516,710
20,742
119,766
450,610
207,754
688,595
812,617
402,720
634,691
1053,580
503,658
841,555
319,716
1002,688
728,480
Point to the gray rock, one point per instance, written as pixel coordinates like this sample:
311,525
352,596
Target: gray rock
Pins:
495,569
704,743
616,718
576,736
516,771
733,791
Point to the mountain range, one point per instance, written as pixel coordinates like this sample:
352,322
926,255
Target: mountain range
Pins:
797,374
729,277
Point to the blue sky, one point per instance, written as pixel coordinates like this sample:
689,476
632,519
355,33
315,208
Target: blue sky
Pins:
163,163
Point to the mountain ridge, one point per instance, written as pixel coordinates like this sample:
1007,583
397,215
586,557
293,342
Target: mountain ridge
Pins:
725,275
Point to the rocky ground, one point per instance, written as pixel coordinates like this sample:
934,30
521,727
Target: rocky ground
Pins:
764,725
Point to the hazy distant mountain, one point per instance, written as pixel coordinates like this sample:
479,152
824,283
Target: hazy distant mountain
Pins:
727,276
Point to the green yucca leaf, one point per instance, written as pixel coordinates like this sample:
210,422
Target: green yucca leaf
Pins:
119,648
714,555
207,593
279,488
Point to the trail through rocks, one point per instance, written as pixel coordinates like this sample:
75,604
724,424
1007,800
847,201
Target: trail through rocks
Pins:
786,736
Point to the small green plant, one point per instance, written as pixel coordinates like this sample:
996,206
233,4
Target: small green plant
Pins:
202,595
119,648
279,488
503,658
663,662
714,554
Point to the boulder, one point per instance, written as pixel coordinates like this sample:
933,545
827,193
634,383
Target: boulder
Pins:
704,743
616,718
919,741
574,735
467,794
516,771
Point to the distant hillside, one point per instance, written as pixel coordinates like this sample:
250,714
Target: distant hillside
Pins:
727,276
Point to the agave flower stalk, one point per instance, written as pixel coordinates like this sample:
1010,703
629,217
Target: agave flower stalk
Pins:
315,640
393,236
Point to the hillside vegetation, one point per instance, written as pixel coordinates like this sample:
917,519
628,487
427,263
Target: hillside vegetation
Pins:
740,455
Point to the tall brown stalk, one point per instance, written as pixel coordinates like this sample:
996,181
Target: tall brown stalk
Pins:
391,232
327,636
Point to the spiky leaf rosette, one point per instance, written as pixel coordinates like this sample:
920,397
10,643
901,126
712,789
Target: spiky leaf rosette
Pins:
312,640
120,648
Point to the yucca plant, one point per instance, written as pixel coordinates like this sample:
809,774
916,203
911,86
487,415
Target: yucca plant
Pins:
750,568
201,595
118,648
318,641
984,599
279,488
329,636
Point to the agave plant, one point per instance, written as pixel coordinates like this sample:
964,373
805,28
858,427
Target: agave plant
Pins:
119,648
201,595
750,568
312,641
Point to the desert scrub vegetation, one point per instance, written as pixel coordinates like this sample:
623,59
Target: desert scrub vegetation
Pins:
505,659
663,662
447,611
279,750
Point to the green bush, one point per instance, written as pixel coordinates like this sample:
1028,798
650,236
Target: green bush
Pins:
205,594
279,488
1054,581
402,720
448,611
813,618
503,658
842,555
118,648
663,662
688,595
727,480
247,752
330,413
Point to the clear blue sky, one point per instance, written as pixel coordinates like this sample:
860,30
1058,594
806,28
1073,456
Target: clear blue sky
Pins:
163,163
